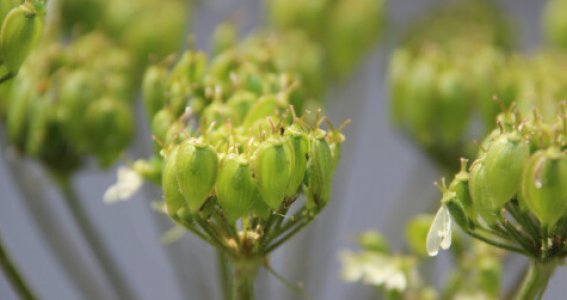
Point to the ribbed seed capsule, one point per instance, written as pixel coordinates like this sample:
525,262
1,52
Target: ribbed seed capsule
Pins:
481,199
504,164
235,187
6,6
39,119
197,167
460,186
300,145
544,186
320,172
272,169
171,193
20,31
264,107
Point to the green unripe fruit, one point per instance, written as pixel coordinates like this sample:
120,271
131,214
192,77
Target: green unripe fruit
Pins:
154,89
300,148
416,233
454,107
235,187
420,103
264,107
191,67
478,188
19,33
319,173
460,187
240,103
108,125
544,186
172,196
197,167
161,123
19,110
504,164
6,6
273,163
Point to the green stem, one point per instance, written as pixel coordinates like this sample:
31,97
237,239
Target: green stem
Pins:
13,276
224,274
536,280
244,272
93,238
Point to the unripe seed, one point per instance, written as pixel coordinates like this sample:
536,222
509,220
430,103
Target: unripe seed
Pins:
273,169
264,107
153,89
197,167
300,146
235,187
544,186
504,163
320,173
481,199
172,196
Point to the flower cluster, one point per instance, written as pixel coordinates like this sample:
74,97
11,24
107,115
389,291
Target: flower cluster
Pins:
345,29
21,23
513,194
72,101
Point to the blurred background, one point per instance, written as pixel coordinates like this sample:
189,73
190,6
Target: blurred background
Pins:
382,181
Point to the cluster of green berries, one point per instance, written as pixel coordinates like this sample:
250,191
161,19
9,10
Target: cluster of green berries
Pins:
346,29
513,195
72,101
21,24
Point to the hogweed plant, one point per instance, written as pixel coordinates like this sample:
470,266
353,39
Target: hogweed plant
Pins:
513,196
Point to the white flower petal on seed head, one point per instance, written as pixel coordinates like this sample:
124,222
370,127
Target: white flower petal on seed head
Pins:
128,183
439,235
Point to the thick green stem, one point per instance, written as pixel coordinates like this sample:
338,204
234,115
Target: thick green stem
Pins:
94,240
536,280
224,274
244,272
13,276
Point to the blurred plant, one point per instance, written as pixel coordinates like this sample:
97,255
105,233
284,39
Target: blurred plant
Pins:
345,29
476,273
555,23
447,67
512,196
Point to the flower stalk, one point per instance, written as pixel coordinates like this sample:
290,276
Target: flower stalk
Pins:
13,275
536,279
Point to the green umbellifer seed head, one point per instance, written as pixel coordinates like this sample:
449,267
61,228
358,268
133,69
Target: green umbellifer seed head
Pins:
481,199
264,107
235,187
240,103
300,146
173,198
320,172
504,164
460,186
197,167
20,31
544,185
273,166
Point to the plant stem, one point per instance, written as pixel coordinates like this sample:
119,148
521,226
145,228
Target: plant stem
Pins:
13,276
244,272
94,240
224,274
536,280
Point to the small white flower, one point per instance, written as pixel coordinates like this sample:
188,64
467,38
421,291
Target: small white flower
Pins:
439,235
374,269
128,183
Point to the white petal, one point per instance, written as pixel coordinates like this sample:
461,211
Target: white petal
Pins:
353,268
128,183
439,235
397,281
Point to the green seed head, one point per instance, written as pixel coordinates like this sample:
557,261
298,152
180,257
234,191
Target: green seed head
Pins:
320,172
172,196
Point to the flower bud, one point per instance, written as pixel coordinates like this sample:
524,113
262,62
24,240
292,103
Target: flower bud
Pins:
108,125
153,89
197,167
172,196
320,172
300,149
235,187
504,164
19,33
544,188
273,164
